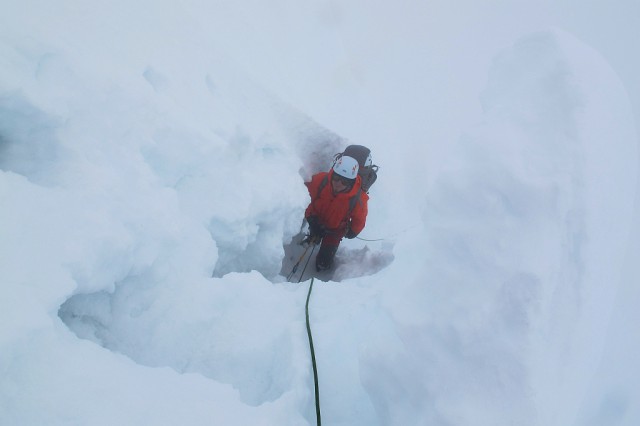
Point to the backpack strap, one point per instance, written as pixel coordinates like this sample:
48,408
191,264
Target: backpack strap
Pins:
352,205
353,201
323,183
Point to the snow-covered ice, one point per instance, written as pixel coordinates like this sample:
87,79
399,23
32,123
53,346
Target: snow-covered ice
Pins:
152,160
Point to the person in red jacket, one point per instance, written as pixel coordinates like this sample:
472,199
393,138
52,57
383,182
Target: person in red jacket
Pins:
338,208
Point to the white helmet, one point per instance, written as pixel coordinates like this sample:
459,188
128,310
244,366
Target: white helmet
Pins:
346,167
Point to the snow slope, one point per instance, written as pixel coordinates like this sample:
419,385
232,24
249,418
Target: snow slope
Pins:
151,186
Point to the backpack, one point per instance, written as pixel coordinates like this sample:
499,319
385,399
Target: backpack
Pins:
367,170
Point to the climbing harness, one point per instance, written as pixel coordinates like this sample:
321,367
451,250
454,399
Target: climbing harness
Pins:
313,357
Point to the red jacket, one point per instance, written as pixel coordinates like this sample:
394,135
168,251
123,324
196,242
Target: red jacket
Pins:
333,209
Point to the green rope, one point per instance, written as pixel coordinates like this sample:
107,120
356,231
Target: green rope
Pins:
313,356
364,239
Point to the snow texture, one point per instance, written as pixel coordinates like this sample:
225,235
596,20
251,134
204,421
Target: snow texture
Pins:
152,160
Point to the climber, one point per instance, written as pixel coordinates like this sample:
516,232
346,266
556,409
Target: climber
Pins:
338,208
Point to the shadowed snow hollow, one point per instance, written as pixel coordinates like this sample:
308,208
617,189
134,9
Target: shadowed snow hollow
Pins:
200,202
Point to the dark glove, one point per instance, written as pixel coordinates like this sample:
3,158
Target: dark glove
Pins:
315,227
350,234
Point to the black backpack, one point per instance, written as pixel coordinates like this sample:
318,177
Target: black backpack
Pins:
367,170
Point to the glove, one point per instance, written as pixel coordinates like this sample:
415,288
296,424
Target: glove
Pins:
350,234
315,227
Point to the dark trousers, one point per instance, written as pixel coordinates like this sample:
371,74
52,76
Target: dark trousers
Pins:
328,249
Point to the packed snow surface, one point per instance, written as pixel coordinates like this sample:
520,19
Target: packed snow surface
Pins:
151,204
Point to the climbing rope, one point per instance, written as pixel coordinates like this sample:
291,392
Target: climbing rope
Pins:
390,236
316,387
312,243
295,267
307,262
313,357
364,239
